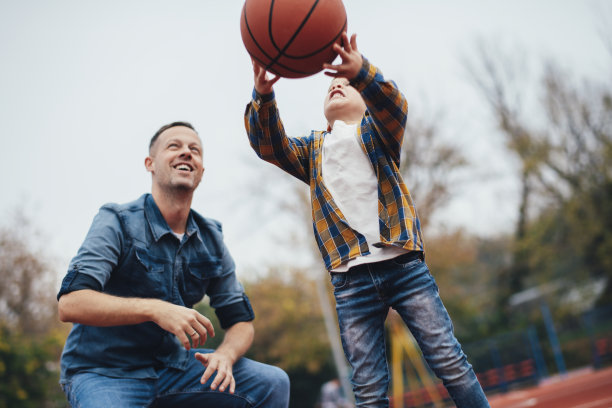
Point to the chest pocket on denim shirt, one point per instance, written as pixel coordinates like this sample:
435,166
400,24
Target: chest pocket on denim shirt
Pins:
199,275
151,276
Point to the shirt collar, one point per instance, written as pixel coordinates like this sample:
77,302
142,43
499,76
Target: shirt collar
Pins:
157,223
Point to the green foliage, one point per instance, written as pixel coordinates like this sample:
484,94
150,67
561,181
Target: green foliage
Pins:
289,327
467,270
206,310
563,233
289,331
29,370
31,338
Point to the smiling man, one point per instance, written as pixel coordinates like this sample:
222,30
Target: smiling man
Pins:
130,290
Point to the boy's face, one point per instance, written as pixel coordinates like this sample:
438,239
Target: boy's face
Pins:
343,102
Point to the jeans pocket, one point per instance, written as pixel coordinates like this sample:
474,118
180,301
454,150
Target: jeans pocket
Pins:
339,280
408,260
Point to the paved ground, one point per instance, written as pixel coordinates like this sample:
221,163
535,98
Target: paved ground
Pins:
581,389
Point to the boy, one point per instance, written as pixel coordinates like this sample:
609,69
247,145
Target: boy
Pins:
365,223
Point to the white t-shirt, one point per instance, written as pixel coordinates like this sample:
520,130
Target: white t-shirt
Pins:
348,175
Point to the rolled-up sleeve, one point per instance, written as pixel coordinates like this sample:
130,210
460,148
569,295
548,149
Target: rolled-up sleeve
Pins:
227,295
97,256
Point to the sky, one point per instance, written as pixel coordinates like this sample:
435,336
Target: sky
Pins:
84,84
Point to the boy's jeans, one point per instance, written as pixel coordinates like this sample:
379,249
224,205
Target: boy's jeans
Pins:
364,295
257,385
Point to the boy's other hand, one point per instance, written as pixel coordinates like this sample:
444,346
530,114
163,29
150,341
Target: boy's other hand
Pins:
263,84
351,59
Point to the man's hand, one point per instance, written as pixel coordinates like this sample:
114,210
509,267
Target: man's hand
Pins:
183,322
222,364
351,59
237,340
263,84
95,308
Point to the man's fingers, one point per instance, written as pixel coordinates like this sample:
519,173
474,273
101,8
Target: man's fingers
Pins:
183,339
202,358
228,377
224,378
232,385
207,326
211,367
198,336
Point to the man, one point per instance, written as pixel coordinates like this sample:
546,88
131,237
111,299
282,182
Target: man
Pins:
130,290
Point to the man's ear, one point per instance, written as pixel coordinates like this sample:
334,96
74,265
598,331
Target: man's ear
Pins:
148,162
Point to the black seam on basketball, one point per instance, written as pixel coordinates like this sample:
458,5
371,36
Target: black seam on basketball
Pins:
320,49
282,52
278,64
274,61
268,67
246,22
270,26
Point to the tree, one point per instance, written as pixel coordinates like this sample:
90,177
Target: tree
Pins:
564,215
27,298
429,166
289,331
31,337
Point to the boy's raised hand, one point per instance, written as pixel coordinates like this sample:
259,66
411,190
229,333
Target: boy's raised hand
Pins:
351,59
263,84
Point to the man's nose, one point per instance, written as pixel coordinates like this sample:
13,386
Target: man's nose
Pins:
185,152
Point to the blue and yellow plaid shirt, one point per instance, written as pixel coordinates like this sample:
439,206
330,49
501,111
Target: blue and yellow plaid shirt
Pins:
381,132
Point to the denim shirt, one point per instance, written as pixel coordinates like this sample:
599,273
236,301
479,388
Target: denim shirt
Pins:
131,252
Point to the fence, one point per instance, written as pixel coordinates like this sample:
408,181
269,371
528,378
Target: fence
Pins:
522,358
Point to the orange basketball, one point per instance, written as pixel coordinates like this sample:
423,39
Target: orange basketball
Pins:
292,38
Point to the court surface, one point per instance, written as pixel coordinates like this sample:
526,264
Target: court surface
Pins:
585,388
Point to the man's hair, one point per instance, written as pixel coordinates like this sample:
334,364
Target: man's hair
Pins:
166,127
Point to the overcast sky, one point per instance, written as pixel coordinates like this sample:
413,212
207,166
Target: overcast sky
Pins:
84,84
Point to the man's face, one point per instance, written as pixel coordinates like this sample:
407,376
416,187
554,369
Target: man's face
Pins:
175,159
343,102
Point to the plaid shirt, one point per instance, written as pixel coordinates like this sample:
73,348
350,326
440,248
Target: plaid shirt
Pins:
381,133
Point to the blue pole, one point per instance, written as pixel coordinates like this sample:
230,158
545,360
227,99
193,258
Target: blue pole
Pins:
537,353
588,322
552,336
498,365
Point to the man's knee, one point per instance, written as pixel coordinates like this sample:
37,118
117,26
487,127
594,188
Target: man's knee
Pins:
278,379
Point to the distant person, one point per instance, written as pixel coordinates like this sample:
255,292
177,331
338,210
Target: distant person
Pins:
365,223
332,396
130,290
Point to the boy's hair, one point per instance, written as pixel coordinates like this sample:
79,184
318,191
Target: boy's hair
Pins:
166,127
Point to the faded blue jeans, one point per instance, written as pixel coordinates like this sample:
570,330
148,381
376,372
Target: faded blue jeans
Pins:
257,385
364,295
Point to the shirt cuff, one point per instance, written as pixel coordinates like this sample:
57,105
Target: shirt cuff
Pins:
259,98
76,281
365,75
235,313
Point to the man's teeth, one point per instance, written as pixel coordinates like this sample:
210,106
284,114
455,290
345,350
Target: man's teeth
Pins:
183,167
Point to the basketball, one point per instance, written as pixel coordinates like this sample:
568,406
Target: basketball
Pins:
292,38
